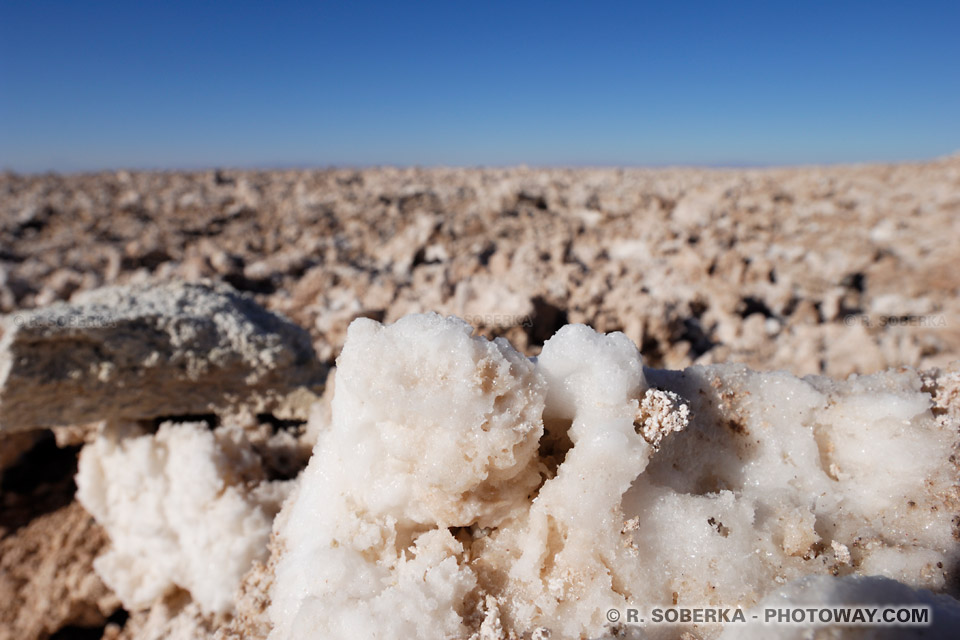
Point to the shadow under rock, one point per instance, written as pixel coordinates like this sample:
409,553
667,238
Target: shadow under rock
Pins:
40,482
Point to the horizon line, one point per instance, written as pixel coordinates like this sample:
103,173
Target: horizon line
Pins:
332,166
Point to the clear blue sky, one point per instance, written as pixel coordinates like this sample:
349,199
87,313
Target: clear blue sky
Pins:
149,84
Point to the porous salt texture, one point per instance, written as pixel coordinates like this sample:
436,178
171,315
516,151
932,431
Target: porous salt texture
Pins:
779,477
185,507
432,429
461,490
559,556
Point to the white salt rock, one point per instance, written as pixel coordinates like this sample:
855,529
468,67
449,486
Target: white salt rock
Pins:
559,556
792,467
178,512
431,429
461,490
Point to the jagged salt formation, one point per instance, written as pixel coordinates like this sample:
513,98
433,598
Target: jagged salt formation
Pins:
464,491
185,508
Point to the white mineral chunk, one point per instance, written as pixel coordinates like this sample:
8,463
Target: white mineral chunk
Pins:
661,412
179,511
431,429
559,556
460,490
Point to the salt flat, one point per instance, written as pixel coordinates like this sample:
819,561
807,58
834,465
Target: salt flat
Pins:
711,449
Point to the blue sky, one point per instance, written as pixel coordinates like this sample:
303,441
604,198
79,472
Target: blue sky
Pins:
145,84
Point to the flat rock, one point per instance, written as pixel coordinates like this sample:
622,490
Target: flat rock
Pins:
141,352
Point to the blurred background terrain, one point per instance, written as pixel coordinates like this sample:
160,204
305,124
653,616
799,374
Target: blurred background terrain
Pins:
814,270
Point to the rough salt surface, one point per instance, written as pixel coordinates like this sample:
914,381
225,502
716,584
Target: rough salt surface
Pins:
438,504
179,510
699,266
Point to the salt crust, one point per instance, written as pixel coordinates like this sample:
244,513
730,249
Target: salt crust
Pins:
463,491
184,508
460,490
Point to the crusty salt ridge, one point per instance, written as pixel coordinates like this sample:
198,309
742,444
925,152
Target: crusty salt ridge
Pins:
559,553
184,508
778,477
428,510
432,429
